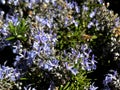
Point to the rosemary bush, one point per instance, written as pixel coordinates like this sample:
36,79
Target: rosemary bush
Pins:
58,45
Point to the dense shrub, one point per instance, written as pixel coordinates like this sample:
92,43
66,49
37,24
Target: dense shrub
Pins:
58,45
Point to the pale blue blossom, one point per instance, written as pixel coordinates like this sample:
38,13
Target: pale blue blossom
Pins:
109,78
90,24
92,87
92,14
51,64
100,1
71,68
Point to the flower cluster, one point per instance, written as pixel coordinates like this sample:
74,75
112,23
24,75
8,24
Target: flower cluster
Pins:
112,80
35,47
54,42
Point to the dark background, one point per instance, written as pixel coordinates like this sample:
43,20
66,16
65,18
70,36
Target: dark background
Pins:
114,5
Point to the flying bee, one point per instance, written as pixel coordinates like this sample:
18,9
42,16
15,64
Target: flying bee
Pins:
86,37
116,31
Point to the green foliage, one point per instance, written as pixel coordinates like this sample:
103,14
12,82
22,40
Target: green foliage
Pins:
69,37
78,82
18,32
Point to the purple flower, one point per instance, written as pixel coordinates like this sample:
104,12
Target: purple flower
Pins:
47,1
16,2
70,5
117,20
36,45
32,54
110,77
93,61
90,24
4,31
100,1
52,85
9,73
49,65
88,61
17,47
92,14
86,64
44,21
77,8
71,68
1,74
76,23
47,49
85,8
32,1
66,22
92,87
59,7
29,87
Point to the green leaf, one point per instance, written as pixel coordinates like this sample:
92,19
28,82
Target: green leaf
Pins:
19,36
94,37
61,87
10,38
23,79
66,86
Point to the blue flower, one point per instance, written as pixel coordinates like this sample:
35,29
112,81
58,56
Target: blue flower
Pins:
85,8
100,1
90,24
77,8
49,65
88,61
1,74
47,49
92,87
71,68
29,87
110,77
9,73
16,2
92,14
70,5
52,85
75,23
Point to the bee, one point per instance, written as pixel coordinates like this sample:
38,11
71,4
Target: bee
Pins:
86,37
116,31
